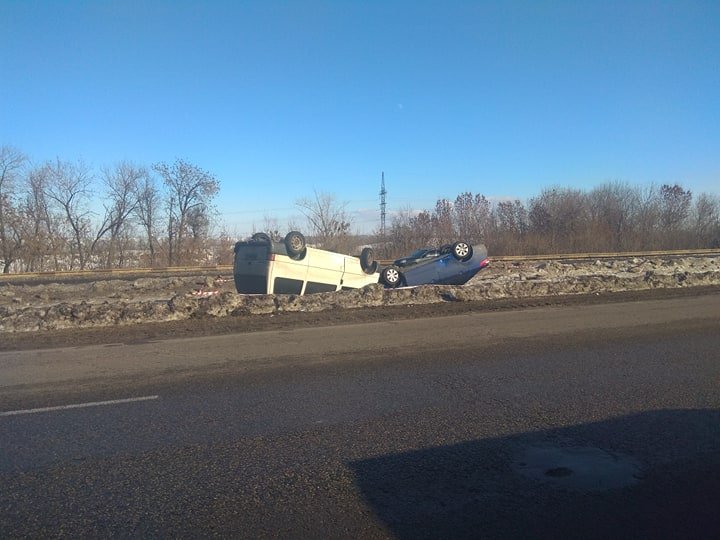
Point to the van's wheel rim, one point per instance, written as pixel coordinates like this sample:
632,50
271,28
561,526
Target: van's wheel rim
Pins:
296,243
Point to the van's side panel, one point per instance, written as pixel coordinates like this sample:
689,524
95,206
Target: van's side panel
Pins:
325,270
354,277
287,276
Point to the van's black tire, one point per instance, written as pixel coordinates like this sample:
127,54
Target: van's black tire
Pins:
391,276
295,244
261,237
367,261
462,251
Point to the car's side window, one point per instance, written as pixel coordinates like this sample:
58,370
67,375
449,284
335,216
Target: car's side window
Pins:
287,286
313,287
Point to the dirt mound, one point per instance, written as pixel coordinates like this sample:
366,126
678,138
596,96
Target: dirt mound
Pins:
121,302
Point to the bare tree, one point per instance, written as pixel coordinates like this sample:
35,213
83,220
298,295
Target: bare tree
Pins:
190,190
558,216
223,247
41,237
272,227
147,211
121,199
198,234
707,220
399,238
472,216
69,189
11,233
442,220
611,211
512,217
327,219
646,218
423,226
510,227
675,206
11,163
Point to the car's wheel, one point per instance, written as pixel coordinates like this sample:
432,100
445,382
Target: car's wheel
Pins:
367,261
295,244
462,251
391,276
261,237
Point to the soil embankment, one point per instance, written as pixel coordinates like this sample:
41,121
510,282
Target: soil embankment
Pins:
119,302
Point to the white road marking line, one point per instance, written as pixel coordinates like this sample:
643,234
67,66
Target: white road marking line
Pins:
78,405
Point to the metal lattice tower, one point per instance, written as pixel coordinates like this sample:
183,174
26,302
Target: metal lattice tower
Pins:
383,192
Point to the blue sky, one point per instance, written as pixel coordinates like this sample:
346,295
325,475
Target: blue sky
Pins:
281,99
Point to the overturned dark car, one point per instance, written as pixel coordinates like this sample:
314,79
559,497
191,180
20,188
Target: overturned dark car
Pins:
451,264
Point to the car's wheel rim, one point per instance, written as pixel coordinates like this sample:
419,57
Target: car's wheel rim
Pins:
392,276
462,250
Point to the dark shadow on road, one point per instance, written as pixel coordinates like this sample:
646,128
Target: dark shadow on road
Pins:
649,475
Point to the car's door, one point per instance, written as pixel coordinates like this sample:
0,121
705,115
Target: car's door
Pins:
452,272
423,273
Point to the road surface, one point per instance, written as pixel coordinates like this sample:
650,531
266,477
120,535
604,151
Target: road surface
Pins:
578,421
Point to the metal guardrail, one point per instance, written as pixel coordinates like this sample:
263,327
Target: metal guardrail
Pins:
228,268
620,255
116,272
592,256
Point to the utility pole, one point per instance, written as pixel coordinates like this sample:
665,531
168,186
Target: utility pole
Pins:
383,192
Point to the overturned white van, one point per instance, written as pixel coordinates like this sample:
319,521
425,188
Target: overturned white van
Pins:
264,266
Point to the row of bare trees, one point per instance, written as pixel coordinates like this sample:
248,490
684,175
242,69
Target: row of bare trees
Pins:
613,217
610,218
49,218
61,215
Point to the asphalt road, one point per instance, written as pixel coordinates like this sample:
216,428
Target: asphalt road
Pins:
598,421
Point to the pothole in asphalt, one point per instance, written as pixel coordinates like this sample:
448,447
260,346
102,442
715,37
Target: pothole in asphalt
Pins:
578,468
